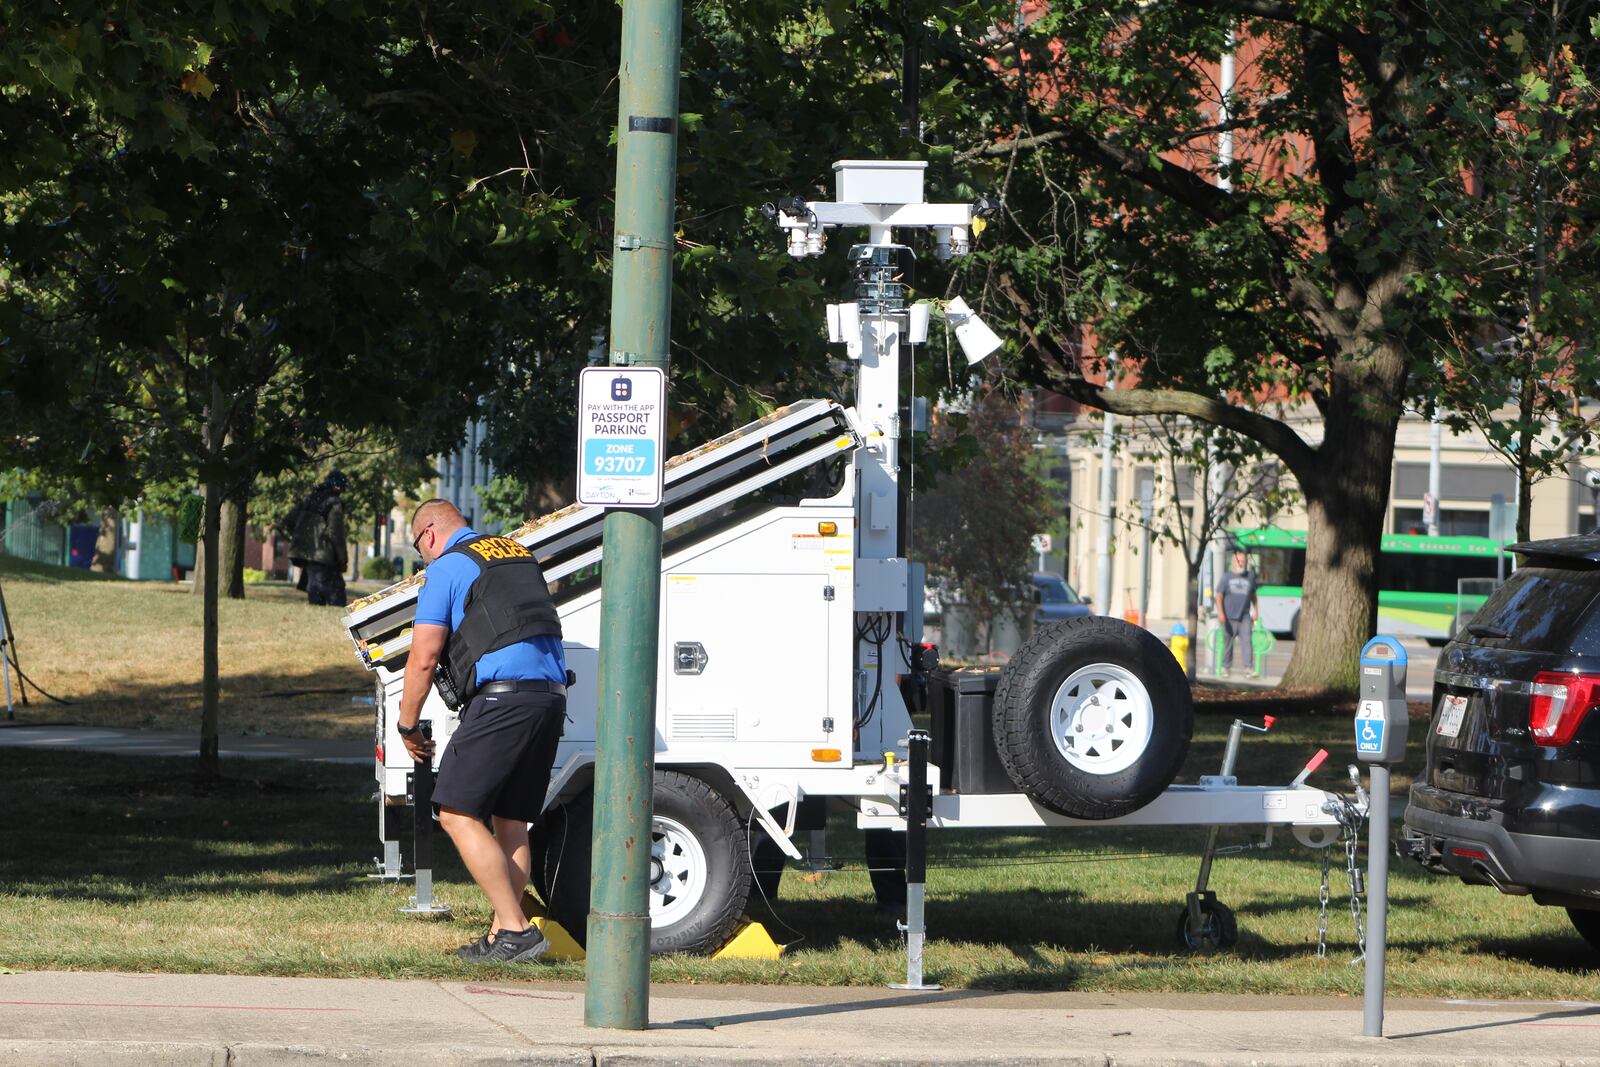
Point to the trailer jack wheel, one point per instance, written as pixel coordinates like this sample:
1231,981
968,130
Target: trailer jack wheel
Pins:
1214,929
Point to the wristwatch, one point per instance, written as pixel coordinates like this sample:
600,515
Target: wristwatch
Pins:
408,731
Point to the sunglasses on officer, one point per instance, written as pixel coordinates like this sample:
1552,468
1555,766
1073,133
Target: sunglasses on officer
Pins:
416,541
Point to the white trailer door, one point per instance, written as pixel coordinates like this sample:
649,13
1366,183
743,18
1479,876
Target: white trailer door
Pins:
746,660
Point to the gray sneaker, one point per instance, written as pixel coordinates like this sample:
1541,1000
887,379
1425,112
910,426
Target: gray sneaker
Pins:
507,947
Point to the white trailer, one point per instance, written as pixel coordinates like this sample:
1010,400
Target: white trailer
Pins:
791,616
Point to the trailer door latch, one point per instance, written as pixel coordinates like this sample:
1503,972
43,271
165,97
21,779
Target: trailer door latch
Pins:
689,657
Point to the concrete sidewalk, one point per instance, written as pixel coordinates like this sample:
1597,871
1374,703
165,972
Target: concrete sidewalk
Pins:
112,1019
177,743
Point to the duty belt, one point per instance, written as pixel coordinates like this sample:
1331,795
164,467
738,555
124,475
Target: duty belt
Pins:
521,686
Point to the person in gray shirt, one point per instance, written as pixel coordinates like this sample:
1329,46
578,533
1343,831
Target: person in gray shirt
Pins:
1237,608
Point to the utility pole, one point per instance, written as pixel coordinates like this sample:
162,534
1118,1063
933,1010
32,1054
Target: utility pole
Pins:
617,993
1108,501
1430,513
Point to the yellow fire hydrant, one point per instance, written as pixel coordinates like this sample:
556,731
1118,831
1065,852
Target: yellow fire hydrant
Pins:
1178,641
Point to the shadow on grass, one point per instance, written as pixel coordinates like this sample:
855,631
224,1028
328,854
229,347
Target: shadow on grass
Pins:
1569,954
285,703
1025,920
91,826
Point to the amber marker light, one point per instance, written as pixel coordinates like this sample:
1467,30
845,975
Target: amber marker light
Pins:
826,755
828,529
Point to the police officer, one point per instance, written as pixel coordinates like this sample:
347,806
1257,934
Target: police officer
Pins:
317,541
486,626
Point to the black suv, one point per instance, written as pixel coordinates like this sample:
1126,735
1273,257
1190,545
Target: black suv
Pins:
1510,795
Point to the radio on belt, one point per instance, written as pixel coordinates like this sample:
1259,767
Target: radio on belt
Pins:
1381,720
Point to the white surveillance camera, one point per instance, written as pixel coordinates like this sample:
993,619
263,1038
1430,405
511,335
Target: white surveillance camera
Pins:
1591,478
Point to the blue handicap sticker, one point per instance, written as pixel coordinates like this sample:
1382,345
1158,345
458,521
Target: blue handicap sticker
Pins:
1369,735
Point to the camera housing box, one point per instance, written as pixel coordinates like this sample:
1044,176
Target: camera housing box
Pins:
879,181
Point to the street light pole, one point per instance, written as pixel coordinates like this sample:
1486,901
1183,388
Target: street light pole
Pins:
617,993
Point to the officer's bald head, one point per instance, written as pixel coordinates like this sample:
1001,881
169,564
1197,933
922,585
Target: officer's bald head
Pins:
432,524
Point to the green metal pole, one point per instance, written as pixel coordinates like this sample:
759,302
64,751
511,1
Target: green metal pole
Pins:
617,994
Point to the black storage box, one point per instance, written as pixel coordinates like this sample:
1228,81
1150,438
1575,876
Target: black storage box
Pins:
960,703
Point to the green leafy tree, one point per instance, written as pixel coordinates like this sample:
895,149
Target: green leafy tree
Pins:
1300,270
1520,364
1212,480
976,522
213,242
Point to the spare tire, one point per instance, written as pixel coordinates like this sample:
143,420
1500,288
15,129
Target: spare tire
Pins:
1092,717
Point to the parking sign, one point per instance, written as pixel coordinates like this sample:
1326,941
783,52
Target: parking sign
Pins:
621,436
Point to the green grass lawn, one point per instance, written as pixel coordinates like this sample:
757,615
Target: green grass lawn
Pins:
117,863
128,654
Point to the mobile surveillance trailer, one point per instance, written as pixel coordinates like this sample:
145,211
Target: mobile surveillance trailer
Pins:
790,616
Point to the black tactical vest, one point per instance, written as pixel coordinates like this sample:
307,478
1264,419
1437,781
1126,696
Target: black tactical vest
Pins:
508,602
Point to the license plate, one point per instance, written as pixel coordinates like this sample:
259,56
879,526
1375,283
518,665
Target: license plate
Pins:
1452,709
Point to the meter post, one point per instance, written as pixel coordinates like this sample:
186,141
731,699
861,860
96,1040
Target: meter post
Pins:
617,992
1381,724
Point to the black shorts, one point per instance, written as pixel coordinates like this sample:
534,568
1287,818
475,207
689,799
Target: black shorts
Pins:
498,760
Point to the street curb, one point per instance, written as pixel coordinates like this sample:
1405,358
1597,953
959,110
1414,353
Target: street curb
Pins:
85,1053
259,1055
15,1052
1387,1056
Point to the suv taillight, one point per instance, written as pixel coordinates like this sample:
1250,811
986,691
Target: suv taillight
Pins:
1560,702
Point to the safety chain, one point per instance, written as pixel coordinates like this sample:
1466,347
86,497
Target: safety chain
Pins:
1351,817
1322,908
1357,888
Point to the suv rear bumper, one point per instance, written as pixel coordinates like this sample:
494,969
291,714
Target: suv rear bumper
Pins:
1484,852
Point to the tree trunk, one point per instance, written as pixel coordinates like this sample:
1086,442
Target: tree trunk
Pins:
200,544
230,548
1347,499
1191,617
210,762
105,543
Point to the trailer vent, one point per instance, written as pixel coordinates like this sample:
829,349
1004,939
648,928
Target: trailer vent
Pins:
704,726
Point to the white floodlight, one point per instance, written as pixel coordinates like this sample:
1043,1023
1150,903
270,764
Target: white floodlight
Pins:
976,339
844,326
917,327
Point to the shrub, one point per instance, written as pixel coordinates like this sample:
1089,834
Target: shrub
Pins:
253,576
377,567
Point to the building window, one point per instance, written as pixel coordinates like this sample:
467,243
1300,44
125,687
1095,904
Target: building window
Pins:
1453,522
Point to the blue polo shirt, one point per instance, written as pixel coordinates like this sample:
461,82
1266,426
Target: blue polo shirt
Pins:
442,601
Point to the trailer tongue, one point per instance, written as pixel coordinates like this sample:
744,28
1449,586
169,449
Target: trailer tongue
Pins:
790,617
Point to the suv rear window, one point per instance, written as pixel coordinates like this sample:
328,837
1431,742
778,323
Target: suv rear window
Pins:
1545,608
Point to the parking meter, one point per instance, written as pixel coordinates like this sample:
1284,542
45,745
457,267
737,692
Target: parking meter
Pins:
1381,717
1381,727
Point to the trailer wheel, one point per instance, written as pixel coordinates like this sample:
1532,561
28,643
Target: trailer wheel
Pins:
699,871
1218,928
1092,717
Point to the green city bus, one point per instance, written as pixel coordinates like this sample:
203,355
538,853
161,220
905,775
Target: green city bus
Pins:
1419,580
